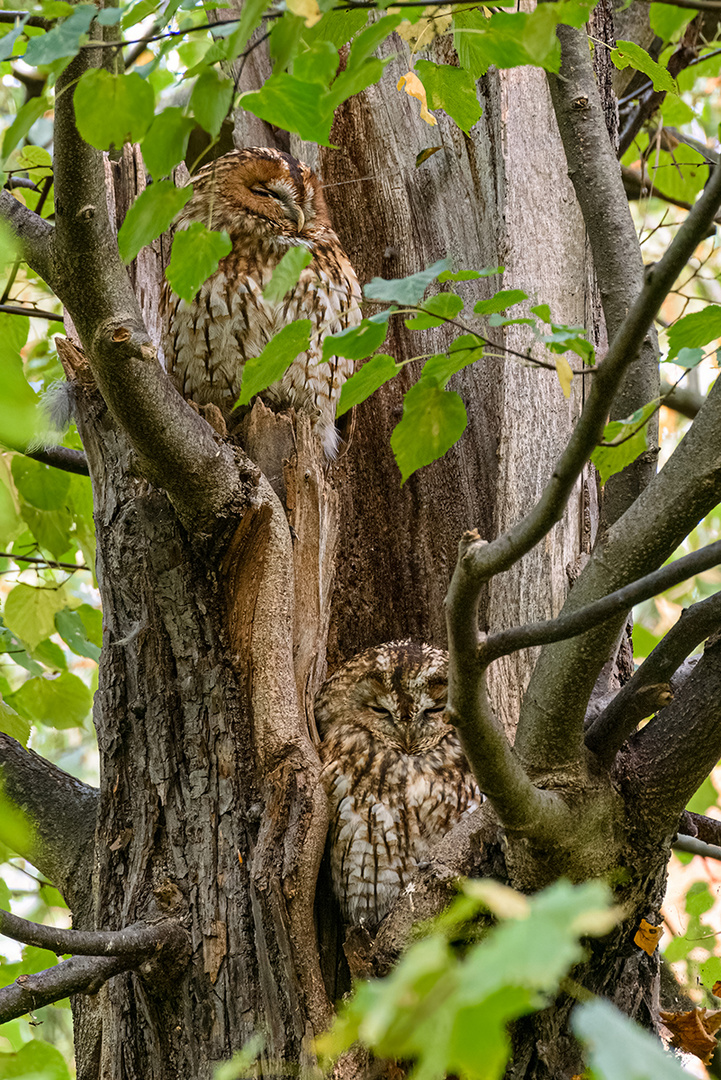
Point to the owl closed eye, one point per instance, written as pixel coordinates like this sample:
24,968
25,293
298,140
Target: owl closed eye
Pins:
396,776
267,202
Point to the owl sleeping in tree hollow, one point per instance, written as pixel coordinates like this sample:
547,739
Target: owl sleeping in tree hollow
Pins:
394,771
267,202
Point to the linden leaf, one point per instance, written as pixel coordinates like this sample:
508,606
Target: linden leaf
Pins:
565,375
647,937
415,88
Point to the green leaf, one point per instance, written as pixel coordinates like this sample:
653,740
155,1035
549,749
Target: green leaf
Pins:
451,89
706,796
211,100
667,21
710,972
699,899
166,142
71,628
251,15
366,43
379,370
357,342
30,612
35,1060
31,111
93,622
317,64
262,371
51,528
433,420
293,105
113,109
407,290
62,702
7,41
62,40
437,309
698,328
286,274
618,1049
51,655
629,54
500,301
688,358
17,727
610,460
40,485
470,275
194,257
284,40
150,215
18,405
465,350
481,42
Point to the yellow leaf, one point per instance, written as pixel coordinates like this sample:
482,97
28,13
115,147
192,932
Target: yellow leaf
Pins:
565,375
415,88
307,9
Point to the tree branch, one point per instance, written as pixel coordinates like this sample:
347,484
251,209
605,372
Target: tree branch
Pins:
33,313
681,399
30,20
61,457
684,491
518,803
33,234
79,975
140,940
176,448
60,809
612,727
668,759
618,264
571,623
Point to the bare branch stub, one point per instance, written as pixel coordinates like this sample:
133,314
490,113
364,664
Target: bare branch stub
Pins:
139,941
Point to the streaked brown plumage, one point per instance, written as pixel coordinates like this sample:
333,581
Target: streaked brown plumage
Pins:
396,776
267,201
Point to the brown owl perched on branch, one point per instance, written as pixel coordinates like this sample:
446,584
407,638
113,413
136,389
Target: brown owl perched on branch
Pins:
395,773
267,202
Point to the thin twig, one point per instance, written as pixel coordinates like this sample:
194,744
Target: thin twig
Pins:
43,562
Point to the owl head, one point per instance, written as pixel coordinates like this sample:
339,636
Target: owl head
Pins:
397,692
260,192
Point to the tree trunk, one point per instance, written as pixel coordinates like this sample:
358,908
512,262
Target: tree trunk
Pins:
210,805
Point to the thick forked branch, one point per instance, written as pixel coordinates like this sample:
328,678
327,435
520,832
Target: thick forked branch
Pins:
618,264
517,801
483,561
613,726
622,600
691,487
672,755
79,975
59,809
136,941
687,488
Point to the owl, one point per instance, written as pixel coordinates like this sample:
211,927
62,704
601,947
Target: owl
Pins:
267,202
396,776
